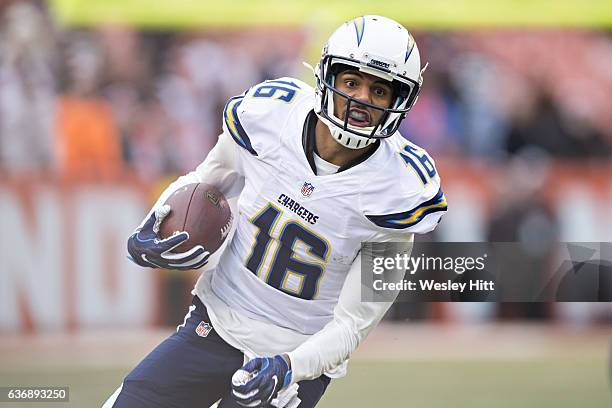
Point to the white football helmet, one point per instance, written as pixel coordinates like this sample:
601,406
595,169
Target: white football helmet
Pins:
378,46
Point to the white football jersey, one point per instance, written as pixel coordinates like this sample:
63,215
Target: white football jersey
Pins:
297,233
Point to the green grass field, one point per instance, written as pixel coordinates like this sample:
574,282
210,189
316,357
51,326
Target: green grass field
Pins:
428,384
435,367
473,384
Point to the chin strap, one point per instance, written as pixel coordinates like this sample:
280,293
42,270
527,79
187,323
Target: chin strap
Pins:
347,139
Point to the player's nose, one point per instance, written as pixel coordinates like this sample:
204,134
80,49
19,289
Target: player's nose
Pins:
363,94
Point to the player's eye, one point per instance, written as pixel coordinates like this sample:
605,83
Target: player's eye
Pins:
380,92
350,83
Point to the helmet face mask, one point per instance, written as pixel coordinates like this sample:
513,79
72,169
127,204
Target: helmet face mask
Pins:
370,55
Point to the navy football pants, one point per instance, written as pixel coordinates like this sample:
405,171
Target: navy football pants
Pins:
187,371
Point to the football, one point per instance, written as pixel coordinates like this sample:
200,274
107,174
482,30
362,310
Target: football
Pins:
202,211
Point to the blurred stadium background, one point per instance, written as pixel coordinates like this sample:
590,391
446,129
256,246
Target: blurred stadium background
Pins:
102,103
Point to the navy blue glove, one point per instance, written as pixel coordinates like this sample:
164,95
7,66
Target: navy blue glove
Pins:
146,249
258,381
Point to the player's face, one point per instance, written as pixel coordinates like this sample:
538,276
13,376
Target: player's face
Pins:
363,87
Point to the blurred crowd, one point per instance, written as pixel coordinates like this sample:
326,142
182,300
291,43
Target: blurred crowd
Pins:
91,104
499,93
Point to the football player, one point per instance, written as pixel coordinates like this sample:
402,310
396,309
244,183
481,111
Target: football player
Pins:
316,172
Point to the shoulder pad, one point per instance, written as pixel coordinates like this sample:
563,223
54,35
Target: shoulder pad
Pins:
255,118
408,195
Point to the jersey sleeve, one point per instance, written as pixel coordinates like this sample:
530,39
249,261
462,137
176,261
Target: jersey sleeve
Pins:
255,119
352,322
411,200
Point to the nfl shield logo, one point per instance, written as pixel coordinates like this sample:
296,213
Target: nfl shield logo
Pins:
307,189
203,329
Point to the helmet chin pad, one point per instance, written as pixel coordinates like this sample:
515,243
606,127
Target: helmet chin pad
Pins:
347,139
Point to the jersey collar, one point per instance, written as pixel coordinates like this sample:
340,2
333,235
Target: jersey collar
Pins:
309,143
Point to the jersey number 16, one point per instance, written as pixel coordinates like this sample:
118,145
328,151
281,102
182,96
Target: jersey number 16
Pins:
287,272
